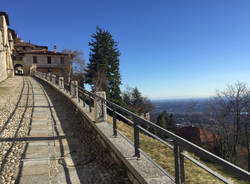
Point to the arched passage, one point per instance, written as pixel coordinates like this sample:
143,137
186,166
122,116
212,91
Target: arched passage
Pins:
18,69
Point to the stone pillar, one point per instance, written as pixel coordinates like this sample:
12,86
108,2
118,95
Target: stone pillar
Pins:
74,89
44,75
11,73
53,79
61,82
48,76
100,109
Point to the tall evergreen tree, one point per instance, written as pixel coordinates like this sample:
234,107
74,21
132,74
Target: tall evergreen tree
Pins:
162,121
171,123
102,72
166,121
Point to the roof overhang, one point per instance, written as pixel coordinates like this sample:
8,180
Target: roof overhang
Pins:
6,17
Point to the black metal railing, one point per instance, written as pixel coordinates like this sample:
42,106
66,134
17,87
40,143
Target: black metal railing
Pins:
138,124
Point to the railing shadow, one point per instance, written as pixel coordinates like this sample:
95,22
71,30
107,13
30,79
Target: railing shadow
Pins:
87,159
31,139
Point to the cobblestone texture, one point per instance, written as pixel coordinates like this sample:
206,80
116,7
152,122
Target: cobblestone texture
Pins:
43,139
14,123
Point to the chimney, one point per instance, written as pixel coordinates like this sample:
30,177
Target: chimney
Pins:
54,48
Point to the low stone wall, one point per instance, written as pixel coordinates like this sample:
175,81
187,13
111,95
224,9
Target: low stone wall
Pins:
97,143
86,132
116,152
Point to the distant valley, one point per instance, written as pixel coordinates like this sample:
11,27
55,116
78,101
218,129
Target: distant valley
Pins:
180,106
186,111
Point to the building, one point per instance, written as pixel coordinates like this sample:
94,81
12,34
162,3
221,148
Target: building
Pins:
198,136
6,48
19,57
28,54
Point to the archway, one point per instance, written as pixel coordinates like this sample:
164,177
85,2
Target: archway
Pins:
18,69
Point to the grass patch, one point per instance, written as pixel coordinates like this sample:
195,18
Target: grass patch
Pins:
164,156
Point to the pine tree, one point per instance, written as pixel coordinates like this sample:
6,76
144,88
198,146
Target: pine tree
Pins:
166,121
137,100
171,123
162,121
102,72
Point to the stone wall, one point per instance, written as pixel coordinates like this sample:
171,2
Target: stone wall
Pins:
6,48
55,67
42,60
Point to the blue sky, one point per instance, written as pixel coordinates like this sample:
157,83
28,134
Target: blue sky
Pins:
169,48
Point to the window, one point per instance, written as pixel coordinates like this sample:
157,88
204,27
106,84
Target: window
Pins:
34,59
17,57
62,60
49,59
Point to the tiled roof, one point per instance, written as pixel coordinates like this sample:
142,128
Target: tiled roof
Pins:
196,135
23,44
43,51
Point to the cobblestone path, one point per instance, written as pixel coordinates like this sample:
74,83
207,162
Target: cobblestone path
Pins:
42,140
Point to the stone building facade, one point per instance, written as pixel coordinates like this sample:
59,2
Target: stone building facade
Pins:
27,54
6,48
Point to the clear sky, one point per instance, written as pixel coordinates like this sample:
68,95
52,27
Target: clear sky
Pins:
170,48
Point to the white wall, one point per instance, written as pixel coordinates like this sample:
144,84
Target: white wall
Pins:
3,50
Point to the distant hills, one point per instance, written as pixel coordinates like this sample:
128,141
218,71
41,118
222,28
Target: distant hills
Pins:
180,106
186,111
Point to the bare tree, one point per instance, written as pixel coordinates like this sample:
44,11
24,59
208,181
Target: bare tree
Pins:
247,132
227,109
237,96
77,66
77,60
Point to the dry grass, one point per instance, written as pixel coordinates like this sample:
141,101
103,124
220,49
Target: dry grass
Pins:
164,156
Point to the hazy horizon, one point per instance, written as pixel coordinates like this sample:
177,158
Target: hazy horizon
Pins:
179,98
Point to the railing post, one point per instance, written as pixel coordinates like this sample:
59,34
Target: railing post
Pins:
69,88
99,109
136,138
61,82
176,162
78,94
182,165
74,89
90,103
114,123
48,76
83,99
53,79
66,86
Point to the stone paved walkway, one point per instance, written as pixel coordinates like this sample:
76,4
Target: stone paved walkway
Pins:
57,150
